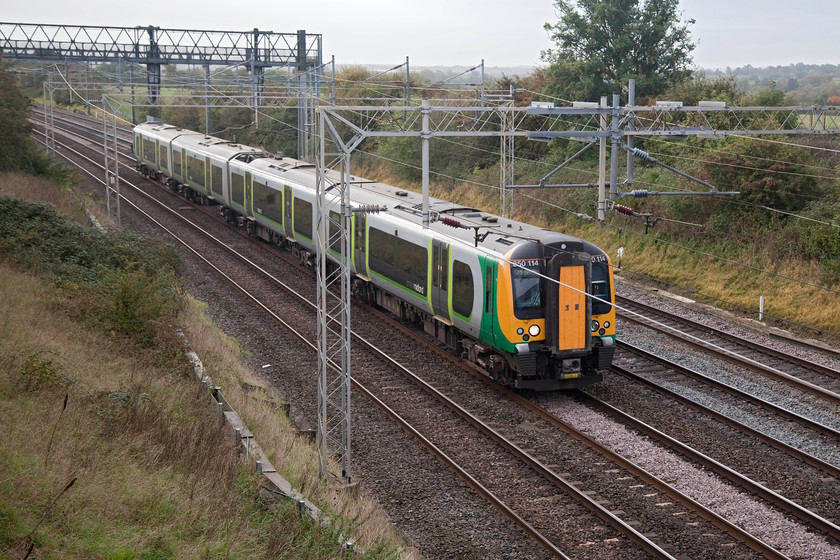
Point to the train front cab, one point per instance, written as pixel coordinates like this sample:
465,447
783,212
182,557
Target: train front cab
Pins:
562,333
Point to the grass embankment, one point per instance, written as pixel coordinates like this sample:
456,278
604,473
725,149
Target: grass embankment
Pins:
110,449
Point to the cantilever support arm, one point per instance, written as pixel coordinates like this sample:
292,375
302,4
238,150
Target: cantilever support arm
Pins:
641,154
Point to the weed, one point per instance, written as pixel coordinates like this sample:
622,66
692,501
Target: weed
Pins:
39,370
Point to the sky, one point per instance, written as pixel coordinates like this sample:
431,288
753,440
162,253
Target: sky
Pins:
509,33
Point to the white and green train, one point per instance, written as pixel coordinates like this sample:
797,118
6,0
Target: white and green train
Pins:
532,307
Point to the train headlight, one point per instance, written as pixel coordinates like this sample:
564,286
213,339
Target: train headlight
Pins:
606,324
520,331
534,330
594,325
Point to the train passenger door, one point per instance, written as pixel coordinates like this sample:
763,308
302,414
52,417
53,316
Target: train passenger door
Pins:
287,211
360,243
249,195
440,278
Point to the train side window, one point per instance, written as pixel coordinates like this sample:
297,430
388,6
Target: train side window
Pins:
267,201
149,150
462,288
303,217
195,170
237,189
216,179
399,260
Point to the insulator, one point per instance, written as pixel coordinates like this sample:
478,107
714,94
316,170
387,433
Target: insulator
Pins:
451,222
368,209
641,154
639,193
621,209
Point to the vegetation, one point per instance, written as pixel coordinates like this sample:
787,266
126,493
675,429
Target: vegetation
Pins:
600,45
18,149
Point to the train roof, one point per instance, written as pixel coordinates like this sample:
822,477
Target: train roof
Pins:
163,131
196,141
488,231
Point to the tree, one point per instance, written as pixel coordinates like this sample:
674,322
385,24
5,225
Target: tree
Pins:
602,44
17,147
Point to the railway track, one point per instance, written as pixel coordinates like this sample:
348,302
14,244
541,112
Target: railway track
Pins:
553,488
802,374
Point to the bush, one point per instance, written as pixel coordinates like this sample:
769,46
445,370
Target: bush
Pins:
124,282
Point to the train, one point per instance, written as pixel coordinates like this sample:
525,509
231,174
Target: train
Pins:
533,308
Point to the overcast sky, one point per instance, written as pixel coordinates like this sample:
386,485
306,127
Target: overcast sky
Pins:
463,32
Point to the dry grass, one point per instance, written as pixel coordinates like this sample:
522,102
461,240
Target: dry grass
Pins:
294,457
28,187
153,474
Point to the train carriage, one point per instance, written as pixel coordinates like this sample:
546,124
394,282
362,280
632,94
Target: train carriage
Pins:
532,307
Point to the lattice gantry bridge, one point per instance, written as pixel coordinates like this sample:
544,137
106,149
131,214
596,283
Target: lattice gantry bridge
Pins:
155,46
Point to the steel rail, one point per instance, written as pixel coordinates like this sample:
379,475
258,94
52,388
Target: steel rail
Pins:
721,386
754,346
734,357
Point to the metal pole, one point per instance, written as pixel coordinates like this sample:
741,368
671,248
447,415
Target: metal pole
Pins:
116,170
332,89
602,166
614,147
107,163
407,87
119,73
345,229
207,117
323,330
631,125
87,88
131,80
425,145
482,82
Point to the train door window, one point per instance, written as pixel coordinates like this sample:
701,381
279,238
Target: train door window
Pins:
216,180
249,194
488,290
600,288
303,218
440,266
359,232
237,189
176,163
463,289
164,156
287,210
